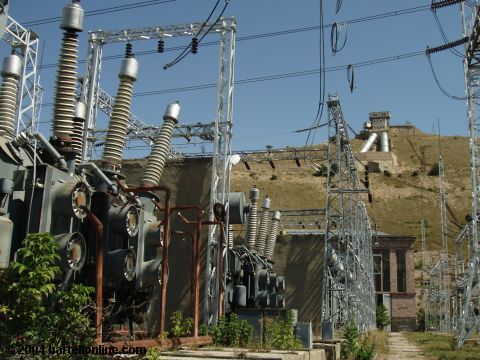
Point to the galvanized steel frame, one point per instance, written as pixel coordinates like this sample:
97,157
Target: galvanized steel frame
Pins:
468,321
220,183
347,228
25,43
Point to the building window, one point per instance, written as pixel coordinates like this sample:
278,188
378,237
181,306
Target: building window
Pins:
381,270
401,271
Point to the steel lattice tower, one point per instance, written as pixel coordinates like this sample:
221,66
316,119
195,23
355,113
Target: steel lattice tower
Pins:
348,288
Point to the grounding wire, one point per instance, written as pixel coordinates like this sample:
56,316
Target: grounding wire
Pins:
190,46
271,34
100,11
446,93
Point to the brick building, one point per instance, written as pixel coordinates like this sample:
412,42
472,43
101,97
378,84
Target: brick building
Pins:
394,276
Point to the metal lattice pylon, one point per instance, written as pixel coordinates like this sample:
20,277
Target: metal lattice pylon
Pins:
348,288
220,181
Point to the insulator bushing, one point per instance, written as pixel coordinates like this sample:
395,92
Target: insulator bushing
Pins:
64,104
230,236
252,218
128,50
118,126
158,156
263,226
161,46
78,129
194,45
72,18
11,72
272,235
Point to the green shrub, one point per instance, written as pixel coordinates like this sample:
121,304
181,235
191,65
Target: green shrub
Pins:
366,350
280,333
230,331
382,317
434,170
180,326
33,310
322,171
350,345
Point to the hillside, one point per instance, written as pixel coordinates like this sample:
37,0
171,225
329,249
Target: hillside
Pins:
399,199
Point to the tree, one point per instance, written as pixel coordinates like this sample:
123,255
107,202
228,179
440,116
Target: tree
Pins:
382,317
32,310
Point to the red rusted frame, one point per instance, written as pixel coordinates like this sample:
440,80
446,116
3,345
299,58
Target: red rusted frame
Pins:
195,304
99,269
166,236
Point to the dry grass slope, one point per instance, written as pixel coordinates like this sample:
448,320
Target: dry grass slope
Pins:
400,201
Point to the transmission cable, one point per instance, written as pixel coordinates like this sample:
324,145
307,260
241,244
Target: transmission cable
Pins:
100,11
270,34
335,32
192,47
446,93
351,77
444,36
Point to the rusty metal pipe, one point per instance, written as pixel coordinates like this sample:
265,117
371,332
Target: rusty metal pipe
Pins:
99,269
166,236
196,256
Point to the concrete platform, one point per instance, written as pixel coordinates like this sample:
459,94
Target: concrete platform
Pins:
221,354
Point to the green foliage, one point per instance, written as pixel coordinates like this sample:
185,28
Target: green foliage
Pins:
280,335
180,326
350,345
382,317
366,350
230,331
434,170
421,319
153,354
32,310
203,330
322,171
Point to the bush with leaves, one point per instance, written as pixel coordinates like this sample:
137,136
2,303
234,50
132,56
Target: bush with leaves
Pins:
350,345
32,310
280,333
382,317
180,326
230,331
366,350
434,170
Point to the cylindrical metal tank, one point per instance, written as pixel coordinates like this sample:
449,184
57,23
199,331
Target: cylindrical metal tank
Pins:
158,156
237,204
252,218
263,226
384,142
368,144
11,72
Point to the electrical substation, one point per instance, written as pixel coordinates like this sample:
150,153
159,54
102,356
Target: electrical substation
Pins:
170,233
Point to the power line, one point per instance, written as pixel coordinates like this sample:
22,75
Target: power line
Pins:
287,75
100,11
273,34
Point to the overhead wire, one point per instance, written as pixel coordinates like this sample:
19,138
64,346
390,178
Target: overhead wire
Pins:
271,34
100,11
444,36
446,93
190,47
335,33
322,89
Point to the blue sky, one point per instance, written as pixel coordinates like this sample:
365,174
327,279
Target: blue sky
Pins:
269,112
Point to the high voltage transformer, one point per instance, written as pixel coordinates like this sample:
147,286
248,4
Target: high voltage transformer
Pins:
111,236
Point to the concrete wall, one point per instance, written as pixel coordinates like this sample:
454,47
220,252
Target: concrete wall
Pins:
300,259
